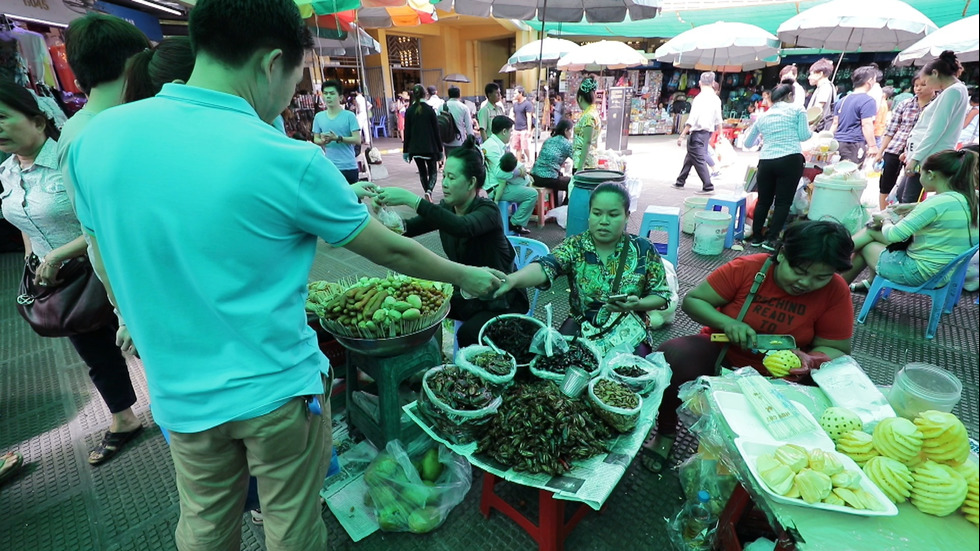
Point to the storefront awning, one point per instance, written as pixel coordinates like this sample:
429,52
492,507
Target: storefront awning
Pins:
52,12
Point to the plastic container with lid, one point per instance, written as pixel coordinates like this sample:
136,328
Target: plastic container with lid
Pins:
920,387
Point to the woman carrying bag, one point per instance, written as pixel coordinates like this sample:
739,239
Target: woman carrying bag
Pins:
422,140
60,295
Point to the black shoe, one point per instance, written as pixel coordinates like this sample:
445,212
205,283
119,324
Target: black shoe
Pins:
769,245
706,190
756,241
519,230
678,186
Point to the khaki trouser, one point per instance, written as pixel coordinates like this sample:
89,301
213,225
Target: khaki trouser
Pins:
286,450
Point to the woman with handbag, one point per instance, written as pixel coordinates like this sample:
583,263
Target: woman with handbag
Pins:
421,141
615,279
60,295
471,231
796,290
922,242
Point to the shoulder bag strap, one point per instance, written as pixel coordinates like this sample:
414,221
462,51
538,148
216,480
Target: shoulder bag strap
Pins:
756,283
615,289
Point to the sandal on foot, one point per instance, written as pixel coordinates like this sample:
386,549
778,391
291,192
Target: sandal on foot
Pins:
861,287
654,459
10,464
111,444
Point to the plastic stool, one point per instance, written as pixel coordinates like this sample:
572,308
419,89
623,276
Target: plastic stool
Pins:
507,207
388,373
736,207
666,219
546,202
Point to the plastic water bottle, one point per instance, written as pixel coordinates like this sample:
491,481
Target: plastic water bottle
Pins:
699,523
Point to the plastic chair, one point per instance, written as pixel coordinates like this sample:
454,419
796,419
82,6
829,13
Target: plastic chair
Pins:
546,202
527,250
379,125
506,208
944,297
736,207
667,219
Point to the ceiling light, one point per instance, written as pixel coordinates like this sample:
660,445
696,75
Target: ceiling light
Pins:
153,5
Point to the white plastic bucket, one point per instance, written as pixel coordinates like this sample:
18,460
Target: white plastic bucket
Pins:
710,228
692,206
840,201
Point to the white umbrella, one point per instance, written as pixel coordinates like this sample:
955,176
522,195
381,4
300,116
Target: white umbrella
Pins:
564,11
548,51
727,47
852,25
961,37
331,47
605,54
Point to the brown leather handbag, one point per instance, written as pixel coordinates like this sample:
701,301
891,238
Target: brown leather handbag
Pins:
78,304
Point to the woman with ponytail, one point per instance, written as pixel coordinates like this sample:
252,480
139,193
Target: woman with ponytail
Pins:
941,228
940,123
169,61
471,231
422,140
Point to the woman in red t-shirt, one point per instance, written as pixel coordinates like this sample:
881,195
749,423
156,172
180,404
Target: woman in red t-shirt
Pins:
803,295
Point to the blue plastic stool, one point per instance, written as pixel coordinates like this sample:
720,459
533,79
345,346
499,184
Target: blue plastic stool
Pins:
736,207
666,219
506,208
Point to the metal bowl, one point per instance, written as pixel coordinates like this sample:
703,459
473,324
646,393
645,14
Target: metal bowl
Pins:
390,346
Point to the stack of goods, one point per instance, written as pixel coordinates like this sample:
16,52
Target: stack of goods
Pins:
815,476
457,403
377,308
320,294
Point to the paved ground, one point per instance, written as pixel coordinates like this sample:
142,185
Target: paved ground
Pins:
50,412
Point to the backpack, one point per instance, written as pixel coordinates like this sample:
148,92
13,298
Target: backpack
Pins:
829,110
448,131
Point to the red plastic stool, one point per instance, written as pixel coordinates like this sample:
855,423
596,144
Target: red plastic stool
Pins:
738,513
546,202
551,530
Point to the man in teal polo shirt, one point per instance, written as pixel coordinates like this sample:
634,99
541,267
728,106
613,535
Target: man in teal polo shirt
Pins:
207,226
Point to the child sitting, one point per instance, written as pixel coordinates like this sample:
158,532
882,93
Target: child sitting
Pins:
515,188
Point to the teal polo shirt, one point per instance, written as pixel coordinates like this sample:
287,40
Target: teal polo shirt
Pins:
207,219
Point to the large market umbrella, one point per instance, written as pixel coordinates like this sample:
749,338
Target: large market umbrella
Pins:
373,14
548,51
605,54
726,47
961,37
346,46
567,11
852,25
455,77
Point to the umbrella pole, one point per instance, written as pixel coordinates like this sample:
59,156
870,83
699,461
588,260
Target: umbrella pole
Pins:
534,133
841,58
364,86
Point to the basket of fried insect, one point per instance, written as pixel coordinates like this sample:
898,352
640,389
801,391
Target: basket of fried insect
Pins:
639,374
581,353
496,368
511,333
456,403
615,403
386,316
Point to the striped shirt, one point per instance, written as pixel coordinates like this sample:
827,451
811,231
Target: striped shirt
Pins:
941,227
783,127
903,120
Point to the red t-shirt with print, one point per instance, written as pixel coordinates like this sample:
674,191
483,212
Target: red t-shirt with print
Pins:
826,313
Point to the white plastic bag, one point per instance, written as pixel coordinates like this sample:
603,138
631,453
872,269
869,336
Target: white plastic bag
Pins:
650,376
848,386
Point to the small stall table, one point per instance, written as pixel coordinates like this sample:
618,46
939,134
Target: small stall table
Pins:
814,529
589,482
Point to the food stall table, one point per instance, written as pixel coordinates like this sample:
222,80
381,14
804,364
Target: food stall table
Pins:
815,529
589,482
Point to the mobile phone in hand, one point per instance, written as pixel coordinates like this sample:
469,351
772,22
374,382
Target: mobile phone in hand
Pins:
618,298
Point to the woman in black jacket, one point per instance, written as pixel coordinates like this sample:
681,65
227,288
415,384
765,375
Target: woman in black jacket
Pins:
422,140
472,232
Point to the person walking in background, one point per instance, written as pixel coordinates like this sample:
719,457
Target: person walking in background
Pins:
337,131
362,108
799,94
461,117
783,128
422,140
489,110
883,114
823,94
434,101
557,108
523,124
585,134
234,395
705,118
969,133
401,105
896,136
854,118
940,123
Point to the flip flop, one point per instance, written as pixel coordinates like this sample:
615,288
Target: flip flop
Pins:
861,287
110,445
10,457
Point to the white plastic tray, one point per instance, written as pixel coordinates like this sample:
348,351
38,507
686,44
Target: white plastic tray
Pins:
746,424
752,450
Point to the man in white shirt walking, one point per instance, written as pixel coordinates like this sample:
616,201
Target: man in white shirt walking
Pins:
489,110
434,101
462,118
705,118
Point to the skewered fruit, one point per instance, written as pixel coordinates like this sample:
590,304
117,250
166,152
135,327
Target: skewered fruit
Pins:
794,457
898,438
835,421
780,362
937,489
944,438
814,486
891,476
971,505
857,445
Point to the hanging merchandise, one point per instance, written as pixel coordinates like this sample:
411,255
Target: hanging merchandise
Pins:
12,64
62,69
36,56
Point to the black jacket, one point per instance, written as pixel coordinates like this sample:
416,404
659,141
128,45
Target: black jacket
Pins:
421,131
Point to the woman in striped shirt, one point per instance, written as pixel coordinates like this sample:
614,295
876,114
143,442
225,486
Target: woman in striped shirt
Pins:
783,127
941,227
